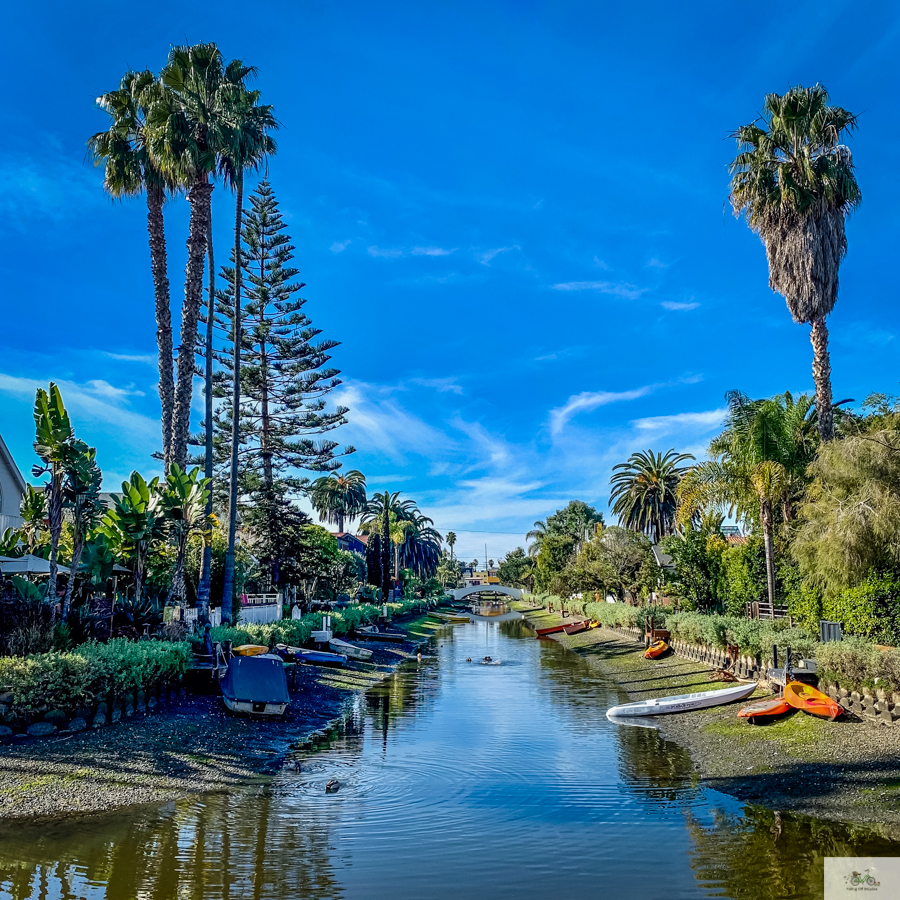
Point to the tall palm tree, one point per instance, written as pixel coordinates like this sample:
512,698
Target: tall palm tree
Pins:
536,537
645,491
129,170
188,130
451,541
247,144
795,182
339,496
759,466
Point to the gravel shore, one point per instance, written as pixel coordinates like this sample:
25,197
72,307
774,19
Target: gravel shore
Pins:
187,747
846,771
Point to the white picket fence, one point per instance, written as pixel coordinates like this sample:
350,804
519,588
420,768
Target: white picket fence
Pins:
260,609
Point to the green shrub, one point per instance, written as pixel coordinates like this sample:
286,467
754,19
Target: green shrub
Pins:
870,610
67,680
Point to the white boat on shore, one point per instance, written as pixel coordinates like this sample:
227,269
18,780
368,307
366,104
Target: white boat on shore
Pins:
350,650
658,706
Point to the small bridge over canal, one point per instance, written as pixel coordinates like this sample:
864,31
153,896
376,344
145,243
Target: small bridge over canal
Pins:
475,589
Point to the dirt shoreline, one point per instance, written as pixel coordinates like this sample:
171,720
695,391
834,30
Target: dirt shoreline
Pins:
845,771
188,747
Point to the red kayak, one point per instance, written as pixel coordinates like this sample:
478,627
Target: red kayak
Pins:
553,629
765,709
577,627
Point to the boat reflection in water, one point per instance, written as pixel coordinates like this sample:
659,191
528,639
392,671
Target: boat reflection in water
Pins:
489,608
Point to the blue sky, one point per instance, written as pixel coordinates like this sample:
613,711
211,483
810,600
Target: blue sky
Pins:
510,214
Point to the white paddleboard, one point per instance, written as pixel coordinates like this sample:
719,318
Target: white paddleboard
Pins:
657,706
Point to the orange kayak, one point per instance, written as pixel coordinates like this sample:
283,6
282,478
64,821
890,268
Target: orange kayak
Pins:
765,709
802,696
655,650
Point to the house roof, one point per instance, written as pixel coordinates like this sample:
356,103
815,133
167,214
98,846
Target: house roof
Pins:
361,538
735,539
663,560
7,457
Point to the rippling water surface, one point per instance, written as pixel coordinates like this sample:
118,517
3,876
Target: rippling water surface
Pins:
457,780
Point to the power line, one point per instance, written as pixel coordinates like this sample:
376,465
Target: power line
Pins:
472,531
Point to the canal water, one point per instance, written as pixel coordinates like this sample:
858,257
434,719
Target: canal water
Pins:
458,780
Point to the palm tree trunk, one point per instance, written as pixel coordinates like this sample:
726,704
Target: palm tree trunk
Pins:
199,196
822,377
340,522
766,516
228,588
206,567
159,268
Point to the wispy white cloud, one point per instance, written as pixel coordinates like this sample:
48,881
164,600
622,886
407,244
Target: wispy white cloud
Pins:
588,400
385,254
339,246
617,289
546,358
696,420
655,263
441,385
432,251
149,359
600,264
485,256
678,307
379,422
51,187
92,402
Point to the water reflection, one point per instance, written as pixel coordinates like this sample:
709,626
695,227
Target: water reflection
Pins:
456,780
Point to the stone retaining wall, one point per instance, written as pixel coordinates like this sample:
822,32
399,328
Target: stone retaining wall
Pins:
105,710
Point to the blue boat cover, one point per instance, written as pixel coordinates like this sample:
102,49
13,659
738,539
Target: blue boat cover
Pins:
252,679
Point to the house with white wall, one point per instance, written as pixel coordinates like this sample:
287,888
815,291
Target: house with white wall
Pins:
12,489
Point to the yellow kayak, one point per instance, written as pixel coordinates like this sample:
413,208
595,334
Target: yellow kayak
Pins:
250,650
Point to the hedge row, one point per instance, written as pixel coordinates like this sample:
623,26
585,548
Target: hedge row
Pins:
752,636
298,631
68,680
856,663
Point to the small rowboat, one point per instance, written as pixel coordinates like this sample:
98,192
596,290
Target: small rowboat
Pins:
370,633
450,618
765,709
350,650
250,650
312,657
803,696
656,650
577,627
657,706
553,629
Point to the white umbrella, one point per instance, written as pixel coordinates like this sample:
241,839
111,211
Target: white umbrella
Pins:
28,565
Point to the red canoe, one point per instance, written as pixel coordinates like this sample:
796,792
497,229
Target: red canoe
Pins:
802,696
765,709
553,629
577,627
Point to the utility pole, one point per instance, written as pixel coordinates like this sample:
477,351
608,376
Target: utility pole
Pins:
485,560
